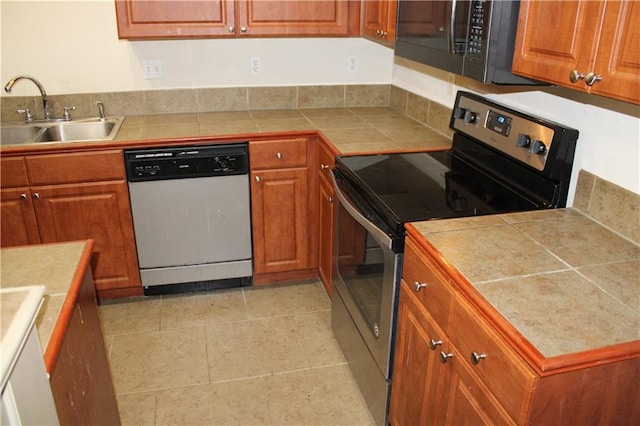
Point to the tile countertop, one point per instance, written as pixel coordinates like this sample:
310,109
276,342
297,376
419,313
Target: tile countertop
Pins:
565,282
56,267
350,130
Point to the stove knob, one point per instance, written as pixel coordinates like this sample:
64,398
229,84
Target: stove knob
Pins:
470,117
537,147
523,140
459,112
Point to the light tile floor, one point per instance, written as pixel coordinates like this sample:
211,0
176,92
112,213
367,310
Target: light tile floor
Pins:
246,356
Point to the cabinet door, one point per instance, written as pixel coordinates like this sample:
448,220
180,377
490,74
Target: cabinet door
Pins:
380,20
18,224
618,58
291,18
555,38
279,218
325,235
417,371
174,19
466,400
98,211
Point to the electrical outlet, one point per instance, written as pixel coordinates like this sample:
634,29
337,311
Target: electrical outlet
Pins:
352,64
152,68
255,65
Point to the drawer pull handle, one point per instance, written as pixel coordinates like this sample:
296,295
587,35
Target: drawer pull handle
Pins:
36,196
418,286
476,357
592,78
330,199
433,344
444,357
23,196
279,155
323,167
575,76
258,179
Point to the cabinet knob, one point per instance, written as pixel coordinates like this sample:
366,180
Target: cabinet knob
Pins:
330,199
433,344
36,196
258,179
476,357
279,155
592,78
23,196
418,286
444,357
232,29
323,167
575,76
243,29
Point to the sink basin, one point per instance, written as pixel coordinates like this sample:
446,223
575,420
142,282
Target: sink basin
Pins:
13,135
80,131
83,130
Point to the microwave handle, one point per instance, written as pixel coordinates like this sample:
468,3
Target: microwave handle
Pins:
375,232
451,34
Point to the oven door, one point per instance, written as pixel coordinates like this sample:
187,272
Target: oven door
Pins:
367,274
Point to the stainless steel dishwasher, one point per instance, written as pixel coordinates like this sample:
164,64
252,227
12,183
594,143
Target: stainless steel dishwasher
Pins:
191,216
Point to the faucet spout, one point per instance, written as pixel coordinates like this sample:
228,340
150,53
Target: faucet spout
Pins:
43,93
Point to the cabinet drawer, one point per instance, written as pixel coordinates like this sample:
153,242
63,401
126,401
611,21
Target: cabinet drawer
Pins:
75,167
326,162
437,296
13,172
278,154
501,368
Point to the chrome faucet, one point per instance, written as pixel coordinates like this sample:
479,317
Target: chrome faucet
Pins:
100,106
43,93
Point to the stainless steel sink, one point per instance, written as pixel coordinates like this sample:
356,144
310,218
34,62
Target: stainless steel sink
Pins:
83,130
14,135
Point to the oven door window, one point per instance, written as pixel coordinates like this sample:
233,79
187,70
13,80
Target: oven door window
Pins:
366,268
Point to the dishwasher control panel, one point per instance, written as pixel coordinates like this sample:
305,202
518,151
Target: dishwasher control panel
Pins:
187,162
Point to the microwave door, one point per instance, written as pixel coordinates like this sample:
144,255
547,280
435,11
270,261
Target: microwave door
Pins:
430,32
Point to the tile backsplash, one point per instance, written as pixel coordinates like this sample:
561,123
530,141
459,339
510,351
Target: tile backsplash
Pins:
200,100
609,204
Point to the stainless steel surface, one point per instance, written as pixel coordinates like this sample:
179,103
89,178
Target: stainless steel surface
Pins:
192,225
83,130
507,144
191,215
366,224
43,93
373,385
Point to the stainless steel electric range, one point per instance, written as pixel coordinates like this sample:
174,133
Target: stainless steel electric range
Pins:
502,160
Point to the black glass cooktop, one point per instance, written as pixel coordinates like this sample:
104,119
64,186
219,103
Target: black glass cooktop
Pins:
422,186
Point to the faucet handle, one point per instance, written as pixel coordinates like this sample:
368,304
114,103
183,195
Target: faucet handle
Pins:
66,115
28,117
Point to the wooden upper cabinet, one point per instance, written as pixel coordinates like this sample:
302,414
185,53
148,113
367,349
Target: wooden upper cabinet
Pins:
380,20
138,19
591,46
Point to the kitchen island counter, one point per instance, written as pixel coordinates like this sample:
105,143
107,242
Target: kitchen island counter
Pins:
565,283
60,268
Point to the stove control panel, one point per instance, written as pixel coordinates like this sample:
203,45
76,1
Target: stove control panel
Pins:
525,138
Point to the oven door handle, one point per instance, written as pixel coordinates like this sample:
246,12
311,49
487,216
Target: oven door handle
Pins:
376,232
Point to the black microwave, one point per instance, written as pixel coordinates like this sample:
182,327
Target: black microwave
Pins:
473,38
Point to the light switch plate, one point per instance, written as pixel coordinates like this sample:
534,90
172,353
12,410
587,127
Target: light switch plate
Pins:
152,68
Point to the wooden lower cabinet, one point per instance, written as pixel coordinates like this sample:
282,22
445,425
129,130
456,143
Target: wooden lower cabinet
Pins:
70,197
80,379
283,210
326,215
458,369
18,225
